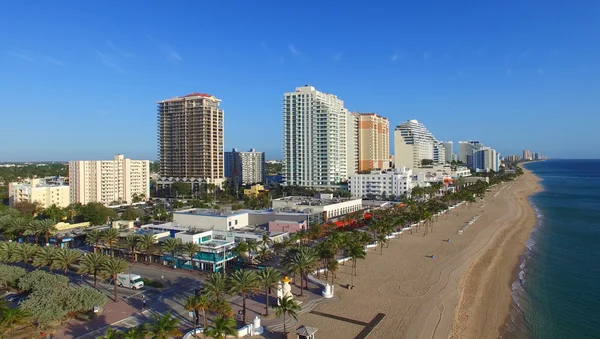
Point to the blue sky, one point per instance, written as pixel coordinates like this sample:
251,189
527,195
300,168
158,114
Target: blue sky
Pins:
80,79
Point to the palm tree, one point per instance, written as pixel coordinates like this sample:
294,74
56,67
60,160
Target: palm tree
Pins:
64,259
18,225
287,306
215,285
268,278
92,264
332,266
355,251
12,317
265,240
263,253
381,240
111,268
93,239
45,257
138,332
301,262
173,247
26,253
8,251
198,303
45,228
244,282
242,248
164,327
222,327
132,241
191,249
111,333
110,237
145,244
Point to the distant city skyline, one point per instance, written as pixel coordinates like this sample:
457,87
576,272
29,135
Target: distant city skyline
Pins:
81,81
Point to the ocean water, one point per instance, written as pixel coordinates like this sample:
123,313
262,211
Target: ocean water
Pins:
557,293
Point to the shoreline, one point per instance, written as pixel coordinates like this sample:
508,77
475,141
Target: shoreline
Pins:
420,295
491,276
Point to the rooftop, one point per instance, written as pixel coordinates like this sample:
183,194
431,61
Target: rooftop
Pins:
310,201
211,213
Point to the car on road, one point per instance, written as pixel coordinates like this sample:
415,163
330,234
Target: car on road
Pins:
130,280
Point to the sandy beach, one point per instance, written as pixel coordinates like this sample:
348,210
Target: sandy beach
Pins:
463,292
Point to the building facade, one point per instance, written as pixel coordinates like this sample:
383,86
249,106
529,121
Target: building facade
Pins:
191,138
211,220
45,192
325,204
393,183
486,159
117,181
319,139
466,149
245,168
413,143
373,141
448,150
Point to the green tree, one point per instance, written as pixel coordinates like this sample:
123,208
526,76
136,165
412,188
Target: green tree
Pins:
12,317
221,327
26,253
110,237
111,268
55,213
268,279
181,189
138,332
93,238
286,306
65,259
300,262
131,213
10,275
190,249
145,244
92,264
164,327
216,285
332,267
173,247
42,281
112,333
45,257
244,282
97,214
198,303
132,242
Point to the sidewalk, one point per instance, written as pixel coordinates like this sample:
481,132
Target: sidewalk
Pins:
111,312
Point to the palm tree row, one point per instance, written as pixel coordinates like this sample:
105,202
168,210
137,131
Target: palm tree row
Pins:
161,327
65,260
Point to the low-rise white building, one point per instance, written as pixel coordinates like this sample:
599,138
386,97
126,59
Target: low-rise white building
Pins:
42,191
209,219
326,204
396,182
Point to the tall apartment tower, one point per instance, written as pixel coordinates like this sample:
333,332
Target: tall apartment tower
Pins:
191,139
413,143
449,150
320,139
373,141
244,168
109,181
466,149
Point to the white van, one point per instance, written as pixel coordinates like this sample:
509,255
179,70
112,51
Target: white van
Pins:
133,281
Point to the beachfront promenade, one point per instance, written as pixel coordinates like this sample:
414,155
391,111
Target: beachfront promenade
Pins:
417,293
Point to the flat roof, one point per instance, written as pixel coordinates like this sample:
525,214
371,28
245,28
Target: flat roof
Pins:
212,213
311,201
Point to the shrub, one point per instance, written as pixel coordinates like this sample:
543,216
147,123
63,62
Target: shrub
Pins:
152,283
40,280
10,275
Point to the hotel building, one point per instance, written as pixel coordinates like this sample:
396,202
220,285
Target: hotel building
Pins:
114,181
320,139
373,141
245,168
448,151
393,183
191,140
45,193
413,143
466,149
486,159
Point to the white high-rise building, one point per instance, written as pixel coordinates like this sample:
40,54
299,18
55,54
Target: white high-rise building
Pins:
466,149
109,181
413,143
486,159
396,182
439,153
449,149
320,139
244,168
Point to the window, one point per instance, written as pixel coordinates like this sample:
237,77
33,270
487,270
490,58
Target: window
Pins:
236,222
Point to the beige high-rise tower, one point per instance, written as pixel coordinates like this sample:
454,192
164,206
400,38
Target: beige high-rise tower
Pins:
373,141
190,139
